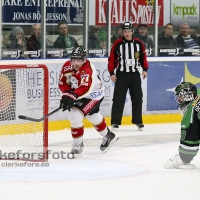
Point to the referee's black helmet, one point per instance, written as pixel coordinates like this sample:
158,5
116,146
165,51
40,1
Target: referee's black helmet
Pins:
127,25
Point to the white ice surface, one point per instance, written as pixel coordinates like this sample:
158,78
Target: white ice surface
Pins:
130,170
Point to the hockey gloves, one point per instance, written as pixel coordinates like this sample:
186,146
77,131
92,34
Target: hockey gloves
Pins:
67,101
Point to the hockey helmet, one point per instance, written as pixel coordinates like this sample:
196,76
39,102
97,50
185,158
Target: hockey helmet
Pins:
127,25
79,53
185,92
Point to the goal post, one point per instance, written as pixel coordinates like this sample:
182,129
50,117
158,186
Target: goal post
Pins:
24,90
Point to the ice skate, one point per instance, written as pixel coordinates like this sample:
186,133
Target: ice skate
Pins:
108,141
76,151
140,127
114,127
176,163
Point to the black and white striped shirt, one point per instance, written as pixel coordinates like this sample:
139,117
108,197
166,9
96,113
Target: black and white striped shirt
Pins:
127,56
190,43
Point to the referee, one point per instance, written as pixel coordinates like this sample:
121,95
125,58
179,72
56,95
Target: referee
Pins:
127,55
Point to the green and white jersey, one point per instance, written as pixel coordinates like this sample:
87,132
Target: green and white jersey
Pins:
192,107
190,130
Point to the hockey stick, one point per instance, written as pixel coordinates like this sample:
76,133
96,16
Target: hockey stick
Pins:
38,120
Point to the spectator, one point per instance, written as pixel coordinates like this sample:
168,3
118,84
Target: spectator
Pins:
34,42
142,33
165,39
93,41
64,41
185,40
101,46
127,55
117,34
16,41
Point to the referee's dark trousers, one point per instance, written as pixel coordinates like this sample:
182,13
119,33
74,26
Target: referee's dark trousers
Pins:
125,81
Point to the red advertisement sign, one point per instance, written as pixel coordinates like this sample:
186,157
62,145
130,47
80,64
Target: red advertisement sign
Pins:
136,11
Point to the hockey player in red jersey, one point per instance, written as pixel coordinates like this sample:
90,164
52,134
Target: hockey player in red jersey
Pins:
82,94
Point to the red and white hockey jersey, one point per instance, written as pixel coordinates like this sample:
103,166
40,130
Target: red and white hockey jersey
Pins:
84,83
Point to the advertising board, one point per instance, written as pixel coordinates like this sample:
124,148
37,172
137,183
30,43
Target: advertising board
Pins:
29,11
164,75
185,11
136,11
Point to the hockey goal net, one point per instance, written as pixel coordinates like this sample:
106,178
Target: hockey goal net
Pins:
23,91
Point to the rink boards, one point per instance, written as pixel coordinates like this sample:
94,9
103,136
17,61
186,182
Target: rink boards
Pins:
159,105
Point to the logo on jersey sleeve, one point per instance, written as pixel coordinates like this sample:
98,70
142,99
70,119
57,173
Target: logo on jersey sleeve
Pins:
67,68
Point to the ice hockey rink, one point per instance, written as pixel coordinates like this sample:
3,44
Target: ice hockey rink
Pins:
132,169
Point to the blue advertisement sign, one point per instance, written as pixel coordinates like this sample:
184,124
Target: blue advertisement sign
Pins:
29,11
162,80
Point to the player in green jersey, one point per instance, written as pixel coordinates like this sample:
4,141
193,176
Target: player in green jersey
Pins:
188,99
